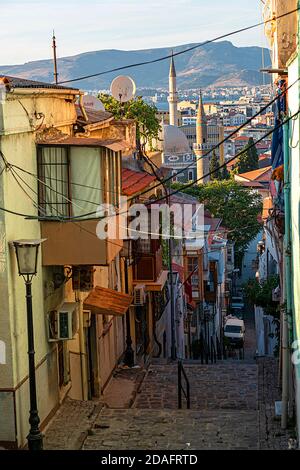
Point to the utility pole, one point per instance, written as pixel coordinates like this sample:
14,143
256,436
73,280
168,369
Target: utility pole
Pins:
55,73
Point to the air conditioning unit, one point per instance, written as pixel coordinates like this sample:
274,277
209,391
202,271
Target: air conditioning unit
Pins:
63,322
139,295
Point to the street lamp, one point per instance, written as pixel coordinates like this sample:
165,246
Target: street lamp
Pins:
129,353
27,257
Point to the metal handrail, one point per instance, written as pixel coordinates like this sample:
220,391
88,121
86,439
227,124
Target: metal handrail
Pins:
204,351
213,350
219,348
181,390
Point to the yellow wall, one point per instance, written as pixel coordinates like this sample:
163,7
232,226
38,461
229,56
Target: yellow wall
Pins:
17,125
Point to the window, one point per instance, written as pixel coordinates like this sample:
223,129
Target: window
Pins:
54,188
76,180
233,329
193,268
191,175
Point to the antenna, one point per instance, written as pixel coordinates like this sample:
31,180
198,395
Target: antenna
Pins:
123,88
55,73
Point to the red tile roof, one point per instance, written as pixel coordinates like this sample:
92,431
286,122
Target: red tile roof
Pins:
262,174
134,181
251,184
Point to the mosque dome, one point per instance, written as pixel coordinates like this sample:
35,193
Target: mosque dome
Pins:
174,140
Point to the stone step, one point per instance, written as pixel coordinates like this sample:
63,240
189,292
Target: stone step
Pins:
173,430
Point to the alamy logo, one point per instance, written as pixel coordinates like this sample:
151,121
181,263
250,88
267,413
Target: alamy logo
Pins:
141,221
2,352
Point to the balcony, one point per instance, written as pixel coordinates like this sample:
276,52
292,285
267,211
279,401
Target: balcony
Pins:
76,243
76,177
148,261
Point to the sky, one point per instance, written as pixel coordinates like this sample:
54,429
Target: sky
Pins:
88,25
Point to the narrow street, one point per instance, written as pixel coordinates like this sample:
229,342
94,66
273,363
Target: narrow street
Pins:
232,407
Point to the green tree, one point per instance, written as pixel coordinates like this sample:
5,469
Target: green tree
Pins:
145,116
214,167
237,206
225,173
249,159
260,294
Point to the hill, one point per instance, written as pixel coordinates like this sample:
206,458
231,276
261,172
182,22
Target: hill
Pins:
219,64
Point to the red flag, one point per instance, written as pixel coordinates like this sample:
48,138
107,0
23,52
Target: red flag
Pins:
189,291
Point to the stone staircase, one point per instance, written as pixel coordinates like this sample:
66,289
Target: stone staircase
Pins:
146,429
223,414
224,385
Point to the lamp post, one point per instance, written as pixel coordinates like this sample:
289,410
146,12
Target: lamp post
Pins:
27,256
129,353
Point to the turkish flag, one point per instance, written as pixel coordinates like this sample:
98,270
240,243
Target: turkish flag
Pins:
189,291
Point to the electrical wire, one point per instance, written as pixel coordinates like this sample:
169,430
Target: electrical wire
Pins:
163,181
82,217
219,230
188,185
210,173
169,56
215,147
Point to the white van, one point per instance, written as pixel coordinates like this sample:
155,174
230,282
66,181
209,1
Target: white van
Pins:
234,330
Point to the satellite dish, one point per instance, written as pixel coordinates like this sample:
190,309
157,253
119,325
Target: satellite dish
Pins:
123,88
91,102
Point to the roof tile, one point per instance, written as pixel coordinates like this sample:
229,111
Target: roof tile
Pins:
134,181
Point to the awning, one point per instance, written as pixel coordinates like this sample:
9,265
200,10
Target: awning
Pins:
105,301
156,286
115,145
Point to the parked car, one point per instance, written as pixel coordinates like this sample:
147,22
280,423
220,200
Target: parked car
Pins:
234,331
238,302
237,312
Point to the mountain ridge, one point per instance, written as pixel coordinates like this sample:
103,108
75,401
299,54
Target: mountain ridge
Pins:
214,63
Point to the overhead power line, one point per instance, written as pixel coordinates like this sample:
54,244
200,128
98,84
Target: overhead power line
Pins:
196,46
162,181
89,215
188,185
220,230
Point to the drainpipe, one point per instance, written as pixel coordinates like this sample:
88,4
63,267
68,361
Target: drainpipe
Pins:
286,315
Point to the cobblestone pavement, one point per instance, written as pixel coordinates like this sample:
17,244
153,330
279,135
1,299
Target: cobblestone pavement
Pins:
173,430
227,385
70,426
232,407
